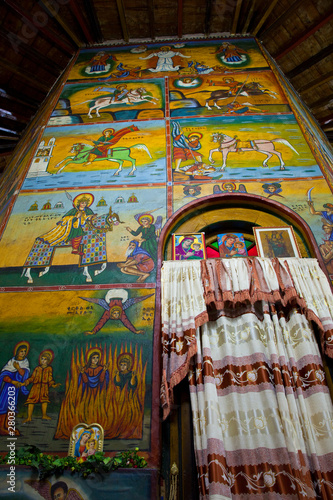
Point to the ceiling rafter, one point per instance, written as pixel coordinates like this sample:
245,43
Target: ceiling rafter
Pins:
9,115
122,17
315,83
92,16
236,16
311,61
286,15
264,17
324,101
46,30
76,11
48,7
28,51
17,70
17,98
208,15
180,19
306,34
151,15
249,17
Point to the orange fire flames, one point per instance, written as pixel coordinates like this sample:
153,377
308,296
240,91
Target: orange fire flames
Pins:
118,411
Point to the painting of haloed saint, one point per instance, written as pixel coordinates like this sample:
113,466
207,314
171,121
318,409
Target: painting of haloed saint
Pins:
109,102
231,245
184,58
120,153
188,246
269,145
77,237
94,351
241,93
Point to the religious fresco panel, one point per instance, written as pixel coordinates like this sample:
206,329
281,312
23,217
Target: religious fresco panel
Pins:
99,154
142,61
250,92
119,101
97,349
77,237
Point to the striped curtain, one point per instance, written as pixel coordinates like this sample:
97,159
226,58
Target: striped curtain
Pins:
262,412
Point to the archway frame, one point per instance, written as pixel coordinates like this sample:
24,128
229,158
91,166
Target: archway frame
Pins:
179,421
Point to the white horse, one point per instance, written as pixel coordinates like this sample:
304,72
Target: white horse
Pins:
134,96
229,144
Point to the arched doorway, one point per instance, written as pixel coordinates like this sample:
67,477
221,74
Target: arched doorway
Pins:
214,214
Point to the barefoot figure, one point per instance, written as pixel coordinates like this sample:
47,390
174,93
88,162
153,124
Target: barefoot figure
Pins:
138,262
42,380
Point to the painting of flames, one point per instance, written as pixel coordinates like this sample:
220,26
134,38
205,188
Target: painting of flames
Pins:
119,410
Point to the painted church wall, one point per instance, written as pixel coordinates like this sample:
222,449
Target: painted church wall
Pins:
85,203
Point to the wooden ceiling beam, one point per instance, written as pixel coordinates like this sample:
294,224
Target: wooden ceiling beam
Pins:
236,16
91,13
17,98
33,55
17,70
321,102
28,24
151,15
48,7
122,17
264,17
249,17
315,59
325,120
281,19
8,115
7,138
180,18
9,131
76,11
306,34
315,83
208,15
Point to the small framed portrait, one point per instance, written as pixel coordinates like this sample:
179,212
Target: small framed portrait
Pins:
231,245
188,246
276,242
86,440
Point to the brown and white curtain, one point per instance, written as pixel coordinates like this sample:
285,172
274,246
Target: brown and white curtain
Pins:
244,332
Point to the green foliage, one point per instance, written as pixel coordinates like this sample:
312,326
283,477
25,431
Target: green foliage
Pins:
49,465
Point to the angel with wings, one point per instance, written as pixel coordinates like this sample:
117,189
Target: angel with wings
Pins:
58,490
115,304
149,230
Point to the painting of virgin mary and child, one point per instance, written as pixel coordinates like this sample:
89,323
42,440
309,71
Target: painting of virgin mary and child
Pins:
231,245
86,440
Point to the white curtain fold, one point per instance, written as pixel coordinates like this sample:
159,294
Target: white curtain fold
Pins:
262,412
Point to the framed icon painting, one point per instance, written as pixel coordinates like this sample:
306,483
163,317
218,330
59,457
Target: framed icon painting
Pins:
231,245
86,440
188,246
276,242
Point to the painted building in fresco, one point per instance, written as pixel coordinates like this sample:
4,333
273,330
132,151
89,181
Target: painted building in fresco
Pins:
97,176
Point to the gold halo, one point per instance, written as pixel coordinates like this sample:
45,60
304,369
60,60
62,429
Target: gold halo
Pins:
128,356
90,199
20,344
87,431
145,216
108,130
47,351
196,134
92,349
